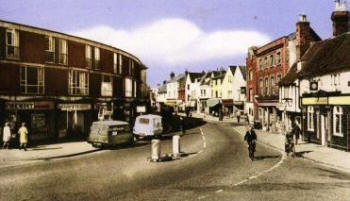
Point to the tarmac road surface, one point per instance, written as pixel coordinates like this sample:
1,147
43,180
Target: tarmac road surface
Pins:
215,167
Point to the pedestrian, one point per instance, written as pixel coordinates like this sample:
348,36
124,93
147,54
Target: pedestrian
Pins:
182,125
6,136
296,132
289,144
251,139
238,113
23,136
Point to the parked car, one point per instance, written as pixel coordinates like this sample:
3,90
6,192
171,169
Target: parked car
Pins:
147,126
110,133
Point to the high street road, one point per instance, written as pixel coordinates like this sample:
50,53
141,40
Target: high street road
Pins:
216,167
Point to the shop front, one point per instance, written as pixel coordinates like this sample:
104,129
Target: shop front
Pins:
75,120
39,117
326,121
228,107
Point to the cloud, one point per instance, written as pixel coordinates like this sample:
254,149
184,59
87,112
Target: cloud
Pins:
176,42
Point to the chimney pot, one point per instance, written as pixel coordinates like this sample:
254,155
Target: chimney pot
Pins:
302,18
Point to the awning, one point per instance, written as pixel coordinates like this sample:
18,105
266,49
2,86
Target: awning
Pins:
170,103
268,104
213,102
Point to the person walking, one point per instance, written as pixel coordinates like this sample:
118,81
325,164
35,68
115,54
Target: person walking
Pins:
296,132
182,125
23,136
251,138
6,136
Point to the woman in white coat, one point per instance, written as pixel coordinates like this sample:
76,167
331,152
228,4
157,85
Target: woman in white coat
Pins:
6,137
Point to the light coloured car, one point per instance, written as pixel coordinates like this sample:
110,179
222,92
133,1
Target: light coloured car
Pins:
110,133
147,126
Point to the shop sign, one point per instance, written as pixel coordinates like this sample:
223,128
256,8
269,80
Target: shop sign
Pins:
315,101
74,107
339,100
141,109
19,106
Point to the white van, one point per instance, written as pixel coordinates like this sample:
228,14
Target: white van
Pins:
148,125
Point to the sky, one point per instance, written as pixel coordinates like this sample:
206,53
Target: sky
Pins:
174,35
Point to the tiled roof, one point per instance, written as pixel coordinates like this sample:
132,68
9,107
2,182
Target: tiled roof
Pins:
326,56
290,76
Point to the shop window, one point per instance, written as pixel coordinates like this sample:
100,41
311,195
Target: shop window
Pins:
78,83
12,43
62,51
106,86
128,87
310,118
50,50
32,80
337,121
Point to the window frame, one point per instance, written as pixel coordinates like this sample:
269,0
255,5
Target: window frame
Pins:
40,85
337,112
14,44
74,84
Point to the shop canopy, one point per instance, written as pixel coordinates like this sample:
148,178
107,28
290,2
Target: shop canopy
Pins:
213,102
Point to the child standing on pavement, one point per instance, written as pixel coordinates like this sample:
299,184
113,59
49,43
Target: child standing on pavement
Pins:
23,136
6,137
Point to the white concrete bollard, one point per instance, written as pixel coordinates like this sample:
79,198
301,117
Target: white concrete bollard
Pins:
176,146
155,150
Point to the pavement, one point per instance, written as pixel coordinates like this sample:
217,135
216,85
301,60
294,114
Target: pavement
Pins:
13,157
330,157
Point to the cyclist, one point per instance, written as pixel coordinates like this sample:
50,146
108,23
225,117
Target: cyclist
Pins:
251,138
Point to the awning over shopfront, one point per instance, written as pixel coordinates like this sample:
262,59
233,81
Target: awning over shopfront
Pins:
213,102
268,104
227,102
170,103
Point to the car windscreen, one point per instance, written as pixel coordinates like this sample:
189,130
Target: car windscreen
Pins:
143,121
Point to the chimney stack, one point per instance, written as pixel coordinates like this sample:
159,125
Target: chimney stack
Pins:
340,18
303,35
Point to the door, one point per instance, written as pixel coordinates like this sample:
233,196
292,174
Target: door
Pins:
323,129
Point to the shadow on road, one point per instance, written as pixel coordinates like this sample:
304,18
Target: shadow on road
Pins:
266,157
300,154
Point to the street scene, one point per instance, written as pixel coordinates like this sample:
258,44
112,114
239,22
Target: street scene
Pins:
174,100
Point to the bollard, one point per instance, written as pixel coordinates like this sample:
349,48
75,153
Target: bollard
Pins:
155,150
176,146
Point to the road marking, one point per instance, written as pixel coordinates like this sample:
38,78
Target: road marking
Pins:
219,191
265,171
203,138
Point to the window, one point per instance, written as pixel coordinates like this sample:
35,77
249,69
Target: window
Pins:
271,60
135,88
188,87
261,87
115,62
50,50
32,80
230,93
272,85
97,58
12,43
88,55
267,86
265,62
128,87
286,92
62,54
250,95
337,121
278,58
78,83
260,64
229,79
106,86
120,63
310,118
